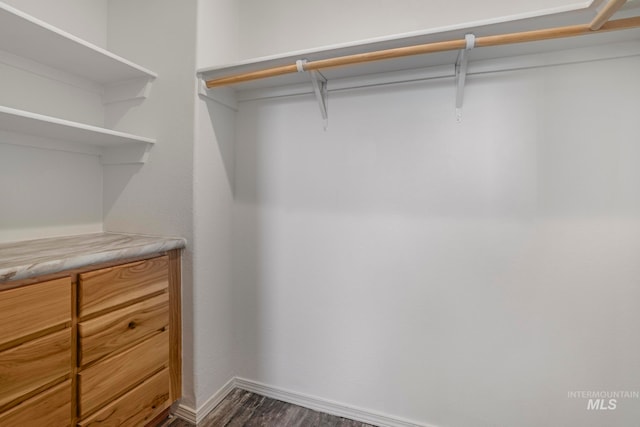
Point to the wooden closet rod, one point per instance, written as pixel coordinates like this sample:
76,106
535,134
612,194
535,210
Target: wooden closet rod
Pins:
485,41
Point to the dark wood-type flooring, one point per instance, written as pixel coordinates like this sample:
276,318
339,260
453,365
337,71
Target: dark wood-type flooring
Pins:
244,409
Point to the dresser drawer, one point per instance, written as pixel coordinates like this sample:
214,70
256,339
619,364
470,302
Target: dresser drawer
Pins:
136,408
113,287
34,364
114,331
51,408
29,309
108,379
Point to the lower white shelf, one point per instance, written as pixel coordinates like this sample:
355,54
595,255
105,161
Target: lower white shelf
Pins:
27,128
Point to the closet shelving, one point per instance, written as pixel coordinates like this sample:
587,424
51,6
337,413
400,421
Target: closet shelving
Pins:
280,75
41,126
49,48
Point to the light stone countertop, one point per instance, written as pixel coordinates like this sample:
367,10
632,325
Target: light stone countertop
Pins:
27,259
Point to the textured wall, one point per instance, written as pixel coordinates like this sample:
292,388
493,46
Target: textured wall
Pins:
157,198
213,201
454,274
277,26
49,193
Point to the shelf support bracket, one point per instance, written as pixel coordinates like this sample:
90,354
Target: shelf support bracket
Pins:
319,83
224,96
129,90
126,154
461,73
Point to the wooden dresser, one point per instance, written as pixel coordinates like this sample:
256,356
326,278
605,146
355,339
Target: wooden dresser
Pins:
92,346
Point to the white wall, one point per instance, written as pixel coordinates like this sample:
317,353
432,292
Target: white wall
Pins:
157,198
51,193
213,199
453,274
277,26
48,193
186,187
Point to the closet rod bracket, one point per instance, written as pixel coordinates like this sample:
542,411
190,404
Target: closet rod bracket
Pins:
319,83
462,63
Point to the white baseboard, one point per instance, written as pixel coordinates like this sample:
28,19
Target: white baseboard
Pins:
295,398
327,406
186,413
195,416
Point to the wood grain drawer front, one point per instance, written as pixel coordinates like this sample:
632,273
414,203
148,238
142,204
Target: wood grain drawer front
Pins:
29,309
136,408
108,288
51,408
34,364
108,379
119,329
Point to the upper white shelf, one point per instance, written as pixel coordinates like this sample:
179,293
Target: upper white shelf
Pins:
28,37
347,76
113,146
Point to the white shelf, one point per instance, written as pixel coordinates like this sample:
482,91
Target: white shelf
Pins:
421,67
26,128
25,36
36,46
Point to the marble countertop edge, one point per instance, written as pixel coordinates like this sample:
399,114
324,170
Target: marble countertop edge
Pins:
55,255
